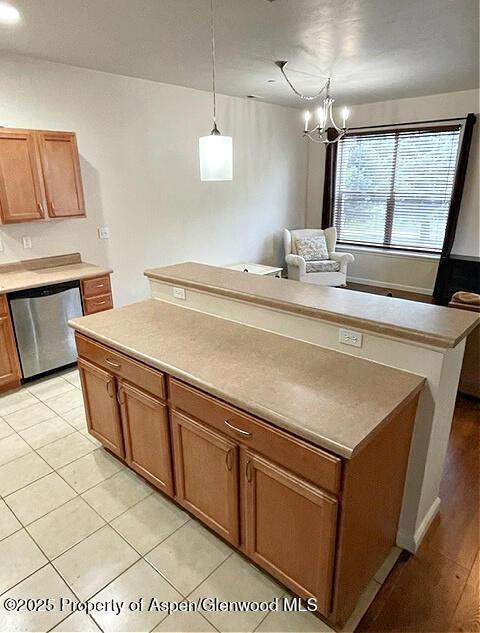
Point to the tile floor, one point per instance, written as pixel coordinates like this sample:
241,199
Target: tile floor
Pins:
75,523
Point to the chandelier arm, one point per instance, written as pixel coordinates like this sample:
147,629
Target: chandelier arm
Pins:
282,65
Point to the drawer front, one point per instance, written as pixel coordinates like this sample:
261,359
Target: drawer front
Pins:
317,466
3,305
98,304
150,380
96,287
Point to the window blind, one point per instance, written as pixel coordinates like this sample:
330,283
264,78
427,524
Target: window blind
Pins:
393,187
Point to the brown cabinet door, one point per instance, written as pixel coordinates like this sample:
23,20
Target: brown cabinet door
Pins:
290,528
206,475
61,172
9,365
22,197
147,436
101,406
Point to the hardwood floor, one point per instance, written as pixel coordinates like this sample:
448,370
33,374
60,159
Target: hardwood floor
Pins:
437,590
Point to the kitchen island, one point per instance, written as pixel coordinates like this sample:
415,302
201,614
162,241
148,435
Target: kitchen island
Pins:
294,454
424,339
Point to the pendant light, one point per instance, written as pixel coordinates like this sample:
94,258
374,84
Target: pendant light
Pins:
216,160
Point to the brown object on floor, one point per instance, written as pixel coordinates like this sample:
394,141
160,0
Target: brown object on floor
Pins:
470,376
438,589
390,292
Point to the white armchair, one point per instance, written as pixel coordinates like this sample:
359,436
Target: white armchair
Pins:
329,272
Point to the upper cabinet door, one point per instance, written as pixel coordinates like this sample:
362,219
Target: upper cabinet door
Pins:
21,188
61,172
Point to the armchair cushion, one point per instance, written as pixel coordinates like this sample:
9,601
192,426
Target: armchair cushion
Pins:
312,248
323,266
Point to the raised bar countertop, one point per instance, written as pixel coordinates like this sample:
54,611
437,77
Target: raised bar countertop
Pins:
32,273
414,321
334,400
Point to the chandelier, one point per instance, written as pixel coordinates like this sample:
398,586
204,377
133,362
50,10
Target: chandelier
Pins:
326,130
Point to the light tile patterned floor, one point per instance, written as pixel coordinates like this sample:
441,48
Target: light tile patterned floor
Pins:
76,523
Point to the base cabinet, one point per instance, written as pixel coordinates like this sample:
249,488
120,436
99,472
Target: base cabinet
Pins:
290,528
146,436
206,473
321,525
101,406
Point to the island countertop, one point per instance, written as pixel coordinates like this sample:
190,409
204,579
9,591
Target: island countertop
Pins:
47,271
408,320
334,400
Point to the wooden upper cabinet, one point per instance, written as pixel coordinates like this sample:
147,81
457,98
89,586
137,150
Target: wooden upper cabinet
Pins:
290,528
206,475
22,195
61,172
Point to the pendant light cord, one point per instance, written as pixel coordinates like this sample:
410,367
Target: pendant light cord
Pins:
212,30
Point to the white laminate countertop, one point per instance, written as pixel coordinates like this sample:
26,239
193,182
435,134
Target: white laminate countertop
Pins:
334,400
408,320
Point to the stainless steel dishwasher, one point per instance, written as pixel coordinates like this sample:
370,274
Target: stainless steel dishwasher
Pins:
40,319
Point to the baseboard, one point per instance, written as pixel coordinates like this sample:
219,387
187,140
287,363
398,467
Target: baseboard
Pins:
412,542
385,284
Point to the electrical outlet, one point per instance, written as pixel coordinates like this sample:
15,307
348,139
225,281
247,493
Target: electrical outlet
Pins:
349,337
179,293
1,245
27,241
103,233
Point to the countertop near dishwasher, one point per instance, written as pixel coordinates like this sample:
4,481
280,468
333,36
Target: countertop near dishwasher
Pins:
334,400
45,271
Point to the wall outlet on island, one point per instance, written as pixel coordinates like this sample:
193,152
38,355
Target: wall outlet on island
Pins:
103,233
179,293
349,337
27,241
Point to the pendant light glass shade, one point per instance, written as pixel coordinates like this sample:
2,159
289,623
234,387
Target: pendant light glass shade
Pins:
216,161
216,157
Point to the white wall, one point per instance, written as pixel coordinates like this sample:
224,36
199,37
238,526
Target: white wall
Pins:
138,142
401,271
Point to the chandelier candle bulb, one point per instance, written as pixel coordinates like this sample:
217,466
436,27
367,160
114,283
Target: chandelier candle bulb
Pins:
307,119
345,115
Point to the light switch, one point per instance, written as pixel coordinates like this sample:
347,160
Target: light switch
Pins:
27,241
350,337
179,293
103,233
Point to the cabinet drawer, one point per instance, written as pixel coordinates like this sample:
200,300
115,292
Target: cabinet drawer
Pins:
151,380
96,287
317,466
3,305
98,304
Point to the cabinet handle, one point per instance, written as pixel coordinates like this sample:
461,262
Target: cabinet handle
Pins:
228,459
112,363
119,396
235,428
40,208
101,303
52,204
111,393
99,285
248,471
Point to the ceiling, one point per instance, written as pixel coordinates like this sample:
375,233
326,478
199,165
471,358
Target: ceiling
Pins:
374,50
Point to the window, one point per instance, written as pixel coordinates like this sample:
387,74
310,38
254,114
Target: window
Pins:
393,188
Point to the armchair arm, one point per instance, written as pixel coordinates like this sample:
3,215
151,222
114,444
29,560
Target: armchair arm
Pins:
343,259
296,266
